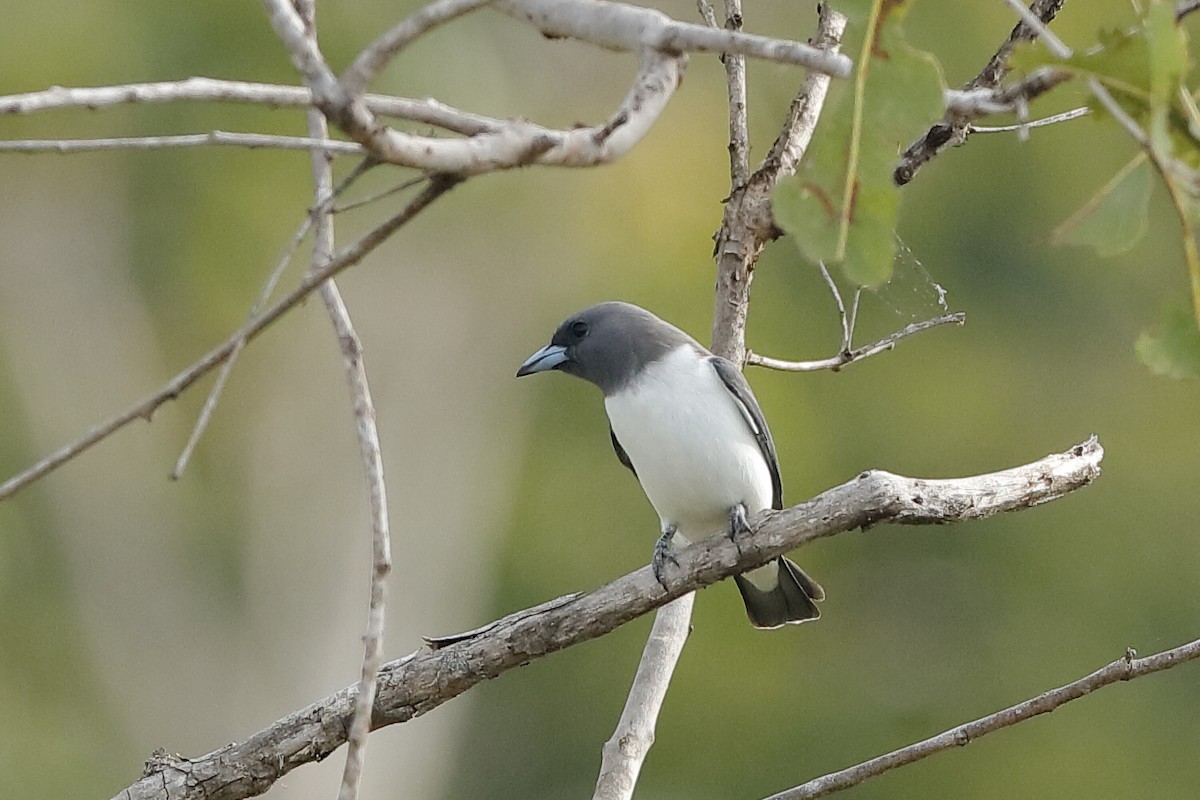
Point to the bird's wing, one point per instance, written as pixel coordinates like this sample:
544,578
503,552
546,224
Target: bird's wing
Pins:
736,383
622,456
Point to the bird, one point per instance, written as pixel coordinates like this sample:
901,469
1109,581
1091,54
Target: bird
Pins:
686,423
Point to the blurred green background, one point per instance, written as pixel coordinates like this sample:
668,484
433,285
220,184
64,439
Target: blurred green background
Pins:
140,613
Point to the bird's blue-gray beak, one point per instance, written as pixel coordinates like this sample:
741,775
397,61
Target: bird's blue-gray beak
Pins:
545,359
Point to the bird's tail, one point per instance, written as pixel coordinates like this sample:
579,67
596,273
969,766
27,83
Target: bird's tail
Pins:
779,593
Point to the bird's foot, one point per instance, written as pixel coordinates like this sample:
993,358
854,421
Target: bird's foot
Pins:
738,524
663,554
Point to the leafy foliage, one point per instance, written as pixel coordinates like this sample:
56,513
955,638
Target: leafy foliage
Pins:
842,206
1143,70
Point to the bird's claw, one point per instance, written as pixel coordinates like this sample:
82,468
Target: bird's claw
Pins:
663,554
738,524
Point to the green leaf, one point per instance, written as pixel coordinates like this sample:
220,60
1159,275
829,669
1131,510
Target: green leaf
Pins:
841,207
1116,217
1174,350
1167,54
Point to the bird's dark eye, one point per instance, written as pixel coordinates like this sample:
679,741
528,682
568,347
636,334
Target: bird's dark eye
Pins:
579,328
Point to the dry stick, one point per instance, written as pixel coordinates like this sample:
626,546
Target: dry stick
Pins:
739,126
1123,669
201,89
952,129
253,141
368,439
374,57
847,355
749,223
427,678
660,41
1053,119
214,394
438,185
620,26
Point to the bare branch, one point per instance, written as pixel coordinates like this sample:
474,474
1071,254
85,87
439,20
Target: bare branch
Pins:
372,60
211,139
438,185
739,126
214,394
850,356
1053,119
953,129
1033,22
618,26
427,678
626,749
748,223
1123,669
268,288
368,440
427,112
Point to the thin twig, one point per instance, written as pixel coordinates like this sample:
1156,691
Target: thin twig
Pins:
368,439
438,185
953,128
200,89
850,356
423,680
1044,35
748,222
1123,118
214,394
1123,669
252,141
400,187
847,325
1053,119
374,57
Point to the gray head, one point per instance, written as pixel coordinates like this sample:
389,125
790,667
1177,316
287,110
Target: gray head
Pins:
607,344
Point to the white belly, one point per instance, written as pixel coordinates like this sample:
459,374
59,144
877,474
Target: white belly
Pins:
694,452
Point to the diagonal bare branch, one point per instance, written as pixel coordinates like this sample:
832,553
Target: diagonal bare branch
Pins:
438,185
953,129
431,676
1125,668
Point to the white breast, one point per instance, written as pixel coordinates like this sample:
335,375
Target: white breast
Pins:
693,449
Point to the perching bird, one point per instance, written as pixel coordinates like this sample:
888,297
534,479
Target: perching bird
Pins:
688,426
